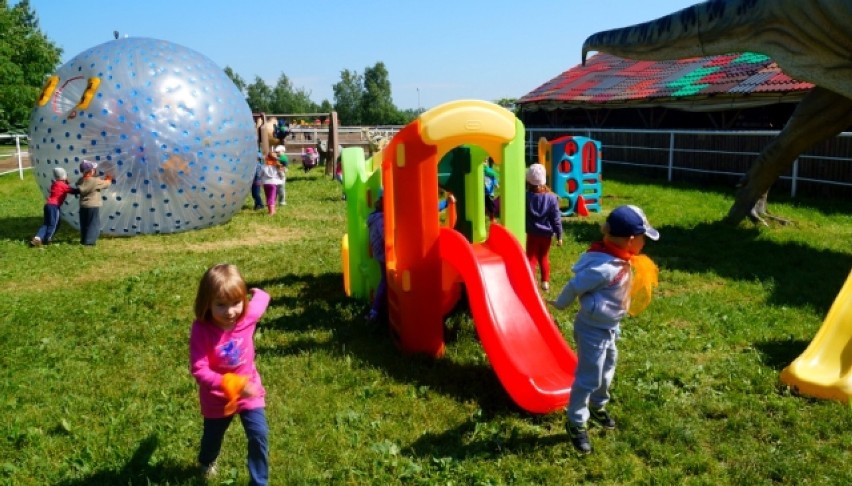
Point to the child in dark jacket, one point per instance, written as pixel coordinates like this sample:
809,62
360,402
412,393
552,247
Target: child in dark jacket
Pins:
543,222
376,227
59,190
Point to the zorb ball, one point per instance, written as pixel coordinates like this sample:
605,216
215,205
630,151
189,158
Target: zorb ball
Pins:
164,121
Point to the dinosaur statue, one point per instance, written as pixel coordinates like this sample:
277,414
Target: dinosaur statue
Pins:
376,141
265,126
811,40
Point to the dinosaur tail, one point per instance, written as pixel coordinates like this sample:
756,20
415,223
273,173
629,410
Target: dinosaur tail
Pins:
704,29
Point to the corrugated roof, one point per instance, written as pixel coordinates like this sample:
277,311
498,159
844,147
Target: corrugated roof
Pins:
697,84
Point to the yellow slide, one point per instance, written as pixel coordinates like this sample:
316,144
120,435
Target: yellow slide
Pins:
824,370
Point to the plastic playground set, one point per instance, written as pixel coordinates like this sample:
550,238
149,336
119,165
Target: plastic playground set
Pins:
574,171
428,261
824,369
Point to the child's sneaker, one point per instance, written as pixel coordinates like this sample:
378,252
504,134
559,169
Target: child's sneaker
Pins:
545,286
36,241
373,316
208,471
601,417
579,437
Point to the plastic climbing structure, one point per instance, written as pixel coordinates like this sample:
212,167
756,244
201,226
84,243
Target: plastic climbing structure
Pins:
574,171
427,263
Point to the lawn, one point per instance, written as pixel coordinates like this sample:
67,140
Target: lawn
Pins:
96,388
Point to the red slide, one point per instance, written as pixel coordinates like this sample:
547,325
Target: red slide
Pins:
526,349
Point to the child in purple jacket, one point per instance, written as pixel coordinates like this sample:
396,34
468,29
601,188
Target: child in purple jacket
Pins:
543,222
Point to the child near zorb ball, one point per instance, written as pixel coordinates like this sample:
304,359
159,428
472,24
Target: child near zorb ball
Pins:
59,190
611,279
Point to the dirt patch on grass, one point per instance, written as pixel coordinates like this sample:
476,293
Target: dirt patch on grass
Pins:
151,252
8,163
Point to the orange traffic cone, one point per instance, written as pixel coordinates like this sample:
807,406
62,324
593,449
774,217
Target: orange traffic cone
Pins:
581,207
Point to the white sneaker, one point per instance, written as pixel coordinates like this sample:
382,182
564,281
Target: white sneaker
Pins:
545,286
36,241
209,471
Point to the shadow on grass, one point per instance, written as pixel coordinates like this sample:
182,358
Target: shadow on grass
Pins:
791,273
19,228
778,354
810,195
24,228
323,306
298,176
794,274
480,442
138,470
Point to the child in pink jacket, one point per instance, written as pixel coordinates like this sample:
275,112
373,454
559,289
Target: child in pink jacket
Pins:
221,356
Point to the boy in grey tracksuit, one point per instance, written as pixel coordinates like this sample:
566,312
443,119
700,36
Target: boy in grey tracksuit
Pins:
602,279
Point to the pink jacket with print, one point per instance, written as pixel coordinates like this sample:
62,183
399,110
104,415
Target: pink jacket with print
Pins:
214,351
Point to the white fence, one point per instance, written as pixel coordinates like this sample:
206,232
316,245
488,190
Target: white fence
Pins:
720,153
17,153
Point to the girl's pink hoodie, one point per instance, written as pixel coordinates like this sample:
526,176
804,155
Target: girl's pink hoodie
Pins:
214,351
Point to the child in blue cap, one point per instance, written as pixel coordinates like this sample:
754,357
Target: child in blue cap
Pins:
602,282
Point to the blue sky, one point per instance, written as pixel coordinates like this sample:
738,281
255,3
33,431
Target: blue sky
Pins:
435,51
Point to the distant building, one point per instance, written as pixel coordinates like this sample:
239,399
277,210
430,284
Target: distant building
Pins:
729,92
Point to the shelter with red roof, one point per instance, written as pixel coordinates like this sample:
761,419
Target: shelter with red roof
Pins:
734,91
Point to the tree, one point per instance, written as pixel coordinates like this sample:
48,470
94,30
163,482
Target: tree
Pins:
27,56
408,115
377,106
507,103
326,106
259,96
286,99
347,97
236,78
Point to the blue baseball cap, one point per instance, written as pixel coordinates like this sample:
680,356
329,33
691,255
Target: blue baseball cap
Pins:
629,220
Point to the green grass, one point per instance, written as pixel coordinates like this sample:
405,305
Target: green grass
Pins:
96,388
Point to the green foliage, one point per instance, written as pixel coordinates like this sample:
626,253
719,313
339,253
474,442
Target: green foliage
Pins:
287,99
26,57
259,96
283,98
347,97
326,107
507,103
239,82
358,100
96,386
377,106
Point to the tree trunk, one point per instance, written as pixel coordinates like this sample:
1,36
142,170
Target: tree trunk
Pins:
820,115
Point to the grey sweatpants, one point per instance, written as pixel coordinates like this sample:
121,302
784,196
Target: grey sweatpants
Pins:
597,356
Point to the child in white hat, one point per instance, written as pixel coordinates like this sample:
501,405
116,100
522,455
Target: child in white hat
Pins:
543,222
59,190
